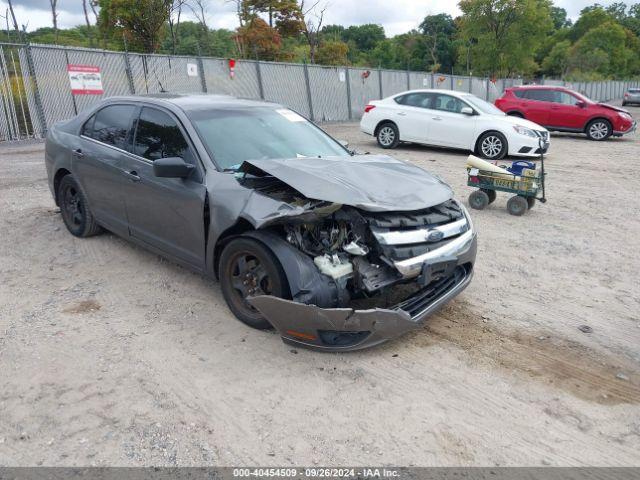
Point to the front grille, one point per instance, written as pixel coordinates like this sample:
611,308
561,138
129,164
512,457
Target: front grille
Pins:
402,235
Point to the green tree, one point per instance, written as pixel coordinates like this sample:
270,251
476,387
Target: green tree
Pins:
332,53
439,32
590,17
142,22
365,37
507,34
559,17
603,50
557,62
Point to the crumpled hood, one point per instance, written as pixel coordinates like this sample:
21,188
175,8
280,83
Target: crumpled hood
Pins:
369,182
613,107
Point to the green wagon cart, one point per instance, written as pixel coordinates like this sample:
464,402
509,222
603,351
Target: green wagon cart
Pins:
522,179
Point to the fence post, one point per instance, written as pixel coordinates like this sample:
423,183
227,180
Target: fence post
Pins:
127,67
486,97
203,80
308,84
346,78
470,84
259,78
380,82
36,92
408,80
451,82
432,81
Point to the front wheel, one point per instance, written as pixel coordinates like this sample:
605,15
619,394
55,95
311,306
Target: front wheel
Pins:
388,136
599,130
75,210
248,269
492,146
478,200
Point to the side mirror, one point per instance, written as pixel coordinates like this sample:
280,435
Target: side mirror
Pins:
581,104
467,111
172,167
344,143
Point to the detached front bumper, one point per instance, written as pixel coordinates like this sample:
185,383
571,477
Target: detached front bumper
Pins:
345,329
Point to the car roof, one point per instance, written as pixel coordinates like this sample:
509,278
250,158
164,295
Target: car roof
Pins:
193,102
432,90
537,87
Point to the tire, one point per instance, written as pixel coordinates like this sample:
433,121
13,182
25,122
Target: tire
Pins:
624,104
599,129
491,194
515,114
530,202
492,146
260,269
478,200
388,135
75,210
517,205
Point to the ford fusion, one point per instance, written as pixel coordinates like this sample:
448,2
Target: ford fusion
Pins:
337,251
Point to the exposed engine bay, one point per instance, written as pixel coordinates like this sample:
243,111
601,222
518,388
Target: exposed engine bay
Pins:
358,251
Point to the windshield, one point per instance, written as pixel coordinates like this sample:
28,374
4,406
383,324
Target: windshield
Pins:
234,135
484,107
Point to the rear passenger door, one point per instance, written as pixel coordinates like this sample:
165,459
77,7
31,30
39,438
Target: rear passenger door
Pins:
413,117
98,162
538,105
166,213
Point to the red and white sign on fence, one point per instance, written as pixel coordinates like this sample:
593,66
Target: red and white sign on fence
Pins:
85,80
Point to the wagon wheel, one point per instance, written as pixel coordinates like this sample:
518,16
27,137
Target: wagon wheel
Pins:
517,205
490,193
478,200
531,201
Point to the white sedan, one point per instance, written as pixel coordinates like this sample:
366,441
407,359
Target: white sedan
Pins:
446,118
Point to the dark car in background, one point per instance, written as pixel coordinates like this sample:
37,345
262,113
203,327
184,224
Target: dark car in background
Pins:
335,250
563,110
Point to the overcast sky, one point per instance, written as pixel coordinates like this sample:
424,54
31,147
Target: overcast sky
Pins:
397,16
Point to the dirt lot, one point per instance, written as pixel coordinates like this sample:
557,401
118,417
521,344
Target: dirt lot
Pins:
110,355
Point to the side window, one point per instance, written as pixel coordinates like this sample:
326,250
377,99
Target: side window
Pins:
540,95
520,93
158,136
447,103
565,98
111,125
420,100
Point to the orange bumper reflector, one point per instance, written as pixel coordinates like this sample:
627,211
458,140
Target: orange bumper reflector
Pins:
306,336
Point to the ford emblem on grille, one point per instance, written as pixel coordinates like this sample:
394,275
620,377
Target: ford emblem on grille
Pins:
435,235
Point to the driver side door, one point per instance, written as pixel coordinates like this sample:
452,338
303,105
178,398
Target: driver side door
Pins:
450,127
165,213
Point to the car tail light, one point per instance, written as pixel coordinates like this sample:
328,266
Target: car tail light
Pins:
626,95
368,108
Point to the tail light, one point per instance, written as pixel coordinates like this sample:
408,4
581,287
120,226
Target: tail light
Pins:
368,108
626,95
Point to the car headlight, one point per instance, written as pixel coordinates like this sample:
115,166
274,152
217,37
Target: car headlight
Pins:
625,115
525,131
466,214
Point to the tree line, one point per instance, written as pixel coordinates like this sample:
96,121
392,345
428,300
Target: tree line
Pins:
496,38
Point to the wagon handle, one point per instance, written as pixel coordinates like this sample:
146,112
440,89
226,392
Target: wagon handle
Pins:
543,199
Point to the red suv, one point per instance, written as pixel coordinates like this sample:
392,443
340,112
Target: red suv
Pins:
564,110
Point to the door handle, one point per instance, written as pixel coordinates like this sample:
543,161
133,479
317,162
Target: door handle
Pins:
78,153
402,114
133,175
437,118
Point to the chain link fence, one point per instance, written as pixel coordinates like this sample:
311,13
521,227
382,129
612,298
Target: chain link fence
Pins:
35,88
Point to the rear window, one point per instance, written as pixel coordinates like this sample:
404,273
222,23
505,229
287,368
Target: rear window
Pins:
634,90
540,95
519,93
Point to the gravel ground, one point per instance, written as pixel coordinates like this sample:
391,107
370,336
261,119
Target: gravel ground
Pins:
110,355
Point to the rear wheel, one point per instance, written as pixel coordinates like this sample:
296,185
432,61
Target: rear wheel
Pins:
517,205
515,114
531,201
491,194
248,269
388,135
492,146
599,129
75,210
478,200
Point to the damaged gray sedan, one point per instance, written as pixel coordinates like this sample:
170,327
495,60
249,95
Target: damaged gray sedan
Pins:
337,251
